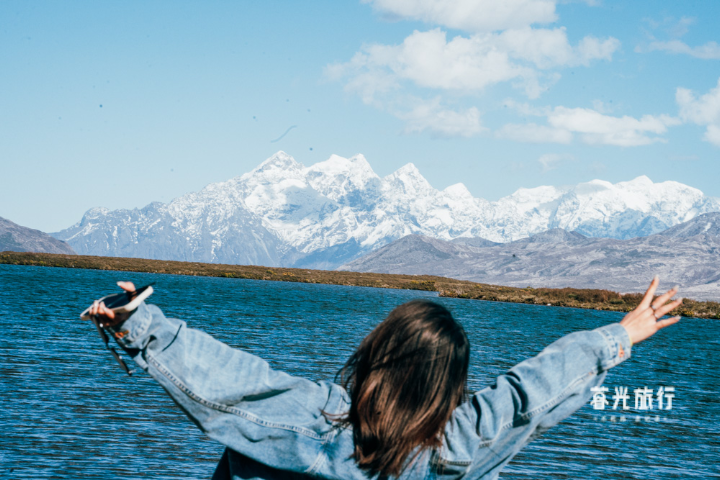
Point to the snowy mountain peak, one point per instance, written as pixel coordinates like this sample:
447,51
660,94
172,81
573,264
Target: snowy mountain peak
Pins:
280,169
354,167
408,180
592,187
336,210
409,169
96,212
529,199
359,158
642,180
281,161
338,177
458,190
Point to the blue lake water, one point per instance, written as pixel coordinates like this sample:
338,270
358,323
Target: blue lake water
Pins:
68,411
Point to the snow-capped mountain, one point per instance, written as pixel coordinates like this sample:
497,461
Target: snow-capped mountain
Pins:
325,215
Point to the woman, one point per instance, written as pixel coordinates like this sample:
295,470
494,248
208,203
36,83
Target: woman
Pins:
402,410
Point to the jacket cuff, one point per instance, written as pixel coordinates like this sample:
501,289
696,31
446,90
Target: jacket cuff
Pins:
134,328
618,347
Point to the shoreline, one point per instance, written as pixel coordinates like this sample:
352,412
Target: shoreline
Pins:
446,287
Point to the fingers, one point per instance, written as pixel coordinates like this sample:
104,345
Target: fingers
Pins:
665,309
667,322
106,311
127,286
659,301
98,309
645,303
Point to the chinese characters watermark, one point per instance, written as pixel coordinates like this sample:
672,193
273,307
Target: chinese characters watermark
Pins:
644,398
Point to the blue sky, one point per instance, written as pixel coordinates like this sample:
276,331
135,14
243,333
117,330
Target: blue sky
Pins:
119,104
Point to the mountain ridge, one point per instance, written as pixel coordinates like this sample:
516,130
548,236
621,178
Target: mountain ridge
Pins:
283,213
688,256
16,238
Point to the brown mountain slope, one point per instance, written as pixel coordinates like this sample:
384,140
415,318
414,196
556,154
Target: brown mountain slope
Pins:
15,238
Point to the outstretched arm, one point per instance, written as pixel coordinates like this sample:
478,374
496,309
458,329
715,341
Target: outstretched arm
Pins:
231,395
542,391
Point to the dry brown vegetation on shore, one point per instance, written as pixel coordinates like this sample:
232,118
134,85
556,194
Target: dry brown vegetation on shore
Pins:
446,287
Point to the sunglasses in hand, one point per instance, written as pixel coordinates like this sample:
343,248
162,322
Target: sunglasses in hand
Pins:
114,309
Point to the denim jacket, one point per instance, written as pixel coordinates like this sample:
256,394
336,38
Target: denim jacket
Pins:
272,426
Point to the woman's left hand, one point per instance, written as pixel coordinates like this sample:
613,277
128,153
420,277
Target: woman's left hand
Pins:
644,321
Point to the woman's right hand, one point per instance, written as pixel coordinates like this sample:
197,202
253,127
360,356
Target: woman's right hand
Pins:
107,316
644,321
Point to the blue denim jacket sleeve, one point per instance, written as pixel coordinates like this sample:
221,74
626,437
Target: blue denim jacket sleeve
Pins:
231,395
488,431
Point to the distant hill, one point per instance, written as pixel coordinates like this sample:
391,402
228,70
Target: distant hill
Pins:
15,238
687,254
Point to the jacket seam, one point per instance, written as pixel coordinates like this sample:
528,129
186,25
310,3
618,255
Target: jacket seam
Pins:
612,345
226,409
318,463
552,402
457,463
437,464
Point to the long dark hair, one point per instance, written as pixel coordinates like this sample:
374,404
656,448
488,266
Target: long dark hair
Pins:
405,379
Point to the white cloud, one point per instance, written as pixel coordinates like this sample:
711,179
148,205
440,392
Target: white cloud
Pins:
440,121
671,26
467,64
709,51
534,133
593,127
502,47
704,110
548,48
551,161
676,29
712,134
428,60
681,27
470,15
599,129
